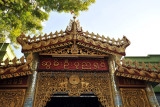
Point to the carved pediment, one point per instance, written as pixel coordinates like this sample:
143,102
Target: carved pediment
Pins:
73,33
73,50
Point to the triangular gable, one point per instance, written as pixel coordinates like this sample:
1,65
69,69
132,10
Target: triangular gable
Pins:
73,50
73,35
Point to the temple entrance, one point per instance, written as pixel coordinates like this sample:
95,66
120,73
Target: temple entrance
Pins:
67,101
75,86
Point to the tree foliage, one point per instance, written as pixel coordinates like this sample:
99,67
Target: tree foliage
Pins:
18,16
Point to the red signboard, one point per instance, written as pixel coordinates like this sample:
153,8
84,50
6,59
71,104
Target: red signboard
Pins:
128,82
14,82
74,64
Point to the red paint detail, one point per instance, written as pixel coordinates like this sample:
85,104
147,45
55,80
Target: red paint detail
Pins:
14,81
74,64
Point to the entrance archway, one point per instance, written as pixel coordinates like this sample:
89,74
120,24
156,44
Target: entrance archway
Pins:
73,84
80,101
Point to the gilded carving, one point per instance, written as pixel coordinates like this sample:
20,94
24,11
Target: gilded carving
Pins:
134,97
73,33
71,50
141,65
74,79
12,97
106,51
73,84
73,64
113,47
8,70
137,70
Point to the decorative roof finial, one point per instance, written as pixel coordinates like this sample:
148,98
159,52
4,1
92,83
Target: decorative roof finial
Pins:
74,25
74,17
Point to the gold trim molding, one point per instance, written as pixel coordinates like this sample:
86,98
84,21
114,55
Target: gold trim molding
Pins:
73,84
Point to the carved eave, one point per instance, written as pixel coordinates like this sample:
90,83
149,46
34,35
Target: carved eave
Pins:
110,47
40,43
16,68
73,35
136,70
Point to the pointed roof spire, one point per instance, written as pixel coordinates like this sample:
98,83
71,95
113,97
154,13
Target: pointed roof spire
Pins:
74,17
74,26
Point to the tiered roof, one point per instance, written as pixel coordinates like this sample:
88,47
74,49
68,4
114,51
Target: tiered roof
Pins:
67,41
73,34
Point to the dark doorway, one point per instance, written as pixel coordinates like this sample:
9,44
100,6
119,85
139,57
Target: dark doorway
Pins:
74,102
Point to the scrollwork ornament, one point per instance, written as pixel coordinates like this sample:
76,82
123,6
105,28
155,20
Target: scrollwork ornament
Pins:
12,97
134,97
68,50
73,84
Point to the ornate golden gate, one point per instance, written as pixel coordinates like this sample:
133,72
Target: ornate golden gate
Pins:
74,84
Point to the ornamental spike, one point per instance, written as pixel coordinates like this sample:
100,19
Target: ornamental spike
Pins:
22,59
6,62
14,60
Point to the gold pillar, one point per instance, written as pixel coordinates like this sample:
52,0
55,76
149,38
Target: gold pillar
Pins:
32,82
115,88
151,96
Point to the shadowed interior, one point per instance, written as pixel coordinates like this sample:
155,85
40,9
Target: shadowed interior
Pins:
74,102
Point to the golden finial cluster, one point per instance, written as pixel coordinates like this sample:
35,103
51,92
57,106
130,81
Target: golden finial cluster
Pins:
141,65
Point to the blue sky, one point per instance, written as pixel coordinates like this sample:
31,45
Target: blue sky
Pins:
138,20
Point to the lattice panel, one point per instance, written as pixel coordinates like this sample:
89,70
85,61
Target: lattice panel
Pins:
12,97
134,97
74,84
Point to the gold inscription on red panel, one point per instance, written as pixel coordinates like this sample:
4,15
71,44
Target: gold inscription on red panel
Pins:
73,64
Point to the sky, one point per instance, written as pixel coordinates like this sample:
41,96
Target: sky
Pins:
138,20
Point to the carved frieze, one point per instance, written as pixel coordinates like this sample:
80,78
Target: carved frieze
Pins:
73,50
12,97
134,97
73,84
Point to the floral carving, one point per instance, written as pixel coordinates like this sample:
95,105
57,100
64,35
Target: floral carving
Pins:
12,97
73,84
134,97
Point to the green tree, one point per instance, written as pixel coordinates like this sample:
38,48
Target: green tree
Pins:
17,16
